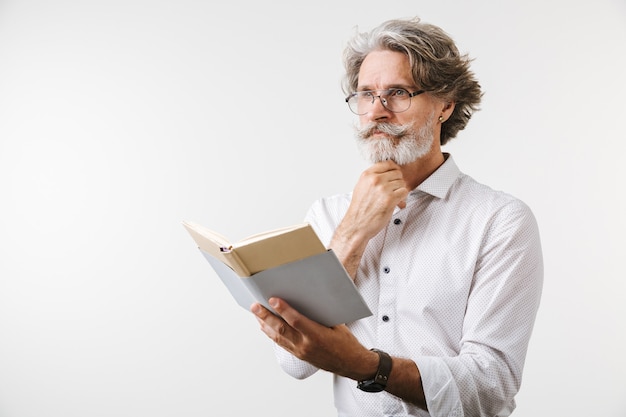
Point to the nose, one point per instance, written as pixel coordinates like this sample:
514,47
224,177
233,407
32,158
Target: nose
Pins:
378,111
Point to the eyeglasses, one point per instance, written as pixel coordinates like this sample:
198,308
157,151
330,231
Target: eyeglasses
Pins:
395,100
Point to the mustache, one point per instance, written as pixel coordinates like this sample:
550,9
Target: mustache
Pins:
393,130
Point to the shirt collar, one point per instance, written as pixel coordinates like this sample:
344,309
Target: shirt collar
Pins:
440,181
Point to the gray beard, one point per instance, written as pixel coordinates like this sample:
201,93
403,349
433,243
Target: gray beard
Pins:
403,145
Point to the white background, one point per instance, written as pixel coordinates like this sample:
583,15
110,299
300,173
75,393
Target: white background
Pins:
121,118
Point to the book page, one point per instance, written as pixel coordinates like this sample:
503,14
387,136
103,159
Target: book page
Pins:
274,249
217,239
264,235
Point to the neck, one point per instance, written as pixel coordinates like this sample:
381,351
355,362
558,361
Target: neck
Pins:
417,171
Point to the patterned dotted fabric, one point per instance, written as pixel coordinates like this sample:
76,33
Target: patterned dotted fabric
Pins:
454,282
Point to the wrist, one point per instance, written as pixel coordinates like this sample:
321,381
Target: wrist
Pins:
349,236
378,382
349,241
368,366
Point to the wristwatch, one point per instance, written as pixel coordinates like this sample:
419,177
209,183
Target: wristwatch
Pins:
379,383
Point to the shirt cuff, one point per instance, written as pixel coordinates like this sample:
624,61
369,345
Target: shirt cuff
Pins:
440,389
293,366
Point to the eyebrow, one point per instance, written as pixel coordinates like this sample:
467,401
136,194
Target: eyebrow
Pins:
403,86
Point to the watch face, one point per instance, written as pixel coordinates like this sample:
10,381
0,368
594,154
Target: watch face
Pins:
370,386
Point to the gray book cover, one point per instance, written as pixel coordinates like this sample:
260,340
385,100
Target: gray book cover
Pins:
318,287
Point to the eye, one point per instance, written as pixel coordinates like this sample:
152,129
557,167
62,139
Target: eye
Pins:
365,95
398,92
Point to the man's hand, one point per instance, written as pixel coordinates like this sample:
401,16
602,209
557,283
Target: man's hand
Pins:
334,349
379,190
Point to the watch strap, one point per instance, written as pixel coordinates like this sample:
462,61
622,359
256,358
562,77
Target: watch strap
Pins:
379,383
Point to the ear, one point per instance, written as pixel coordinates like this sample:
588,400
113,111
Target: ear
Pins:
446,111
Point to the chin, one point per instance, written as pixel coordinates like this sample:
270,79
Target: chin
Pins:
402,154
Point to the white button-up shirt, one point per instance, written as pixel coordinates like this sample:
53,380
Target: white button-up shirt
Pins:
454,282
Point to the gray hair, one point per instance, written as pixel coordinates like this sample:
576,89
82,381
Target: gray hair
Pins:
437,66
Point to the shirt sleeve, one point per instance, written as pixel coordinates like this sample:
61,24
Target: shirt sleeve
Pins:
324,216
484,377
293,366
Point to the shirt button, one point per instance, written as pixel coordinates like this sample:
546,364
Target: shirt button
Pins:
385,318
397,221
386,270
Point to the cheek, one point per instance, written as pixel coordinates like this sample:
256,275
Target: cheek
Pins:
409,119
423,116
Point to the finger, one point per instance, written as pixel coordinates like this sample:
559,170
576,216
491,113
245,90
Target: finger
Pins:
294,319
260,311
397,183
265,315
272,325
387,165
383,167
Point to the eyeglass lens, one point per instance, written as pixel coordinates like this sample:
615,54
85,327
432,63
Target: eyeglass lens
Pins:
396,100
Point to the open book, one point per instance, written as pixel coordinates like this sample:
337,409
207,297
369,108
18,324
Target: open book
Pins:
290,263
261,251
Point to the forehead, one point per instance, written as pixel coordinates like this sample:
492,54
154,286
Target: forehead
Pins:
383,69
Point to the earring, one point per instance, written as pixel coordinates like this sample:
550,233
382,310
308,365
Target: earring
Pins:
440,119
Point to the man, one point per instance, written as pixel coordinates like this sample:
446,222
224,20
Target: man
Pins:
451,269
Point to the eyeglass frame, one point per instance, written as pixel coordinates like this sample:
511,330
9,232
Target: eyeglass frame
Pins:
382,101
